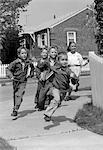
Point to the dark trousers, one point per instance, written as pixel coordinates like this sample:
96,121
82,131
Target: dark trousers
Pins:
39,87
43,97
19,90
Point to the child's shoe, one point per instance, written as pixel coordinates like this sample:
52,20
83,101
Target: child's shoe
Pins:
76,87
14,113
47,118
36,107
67,98
39,109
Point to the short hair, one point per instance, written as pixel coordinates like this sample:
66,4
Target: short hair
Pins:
44,48
60,54
55,47
20,48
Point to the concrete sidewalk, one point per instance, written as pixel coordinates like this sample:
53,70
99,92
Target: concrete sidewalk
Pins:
31,132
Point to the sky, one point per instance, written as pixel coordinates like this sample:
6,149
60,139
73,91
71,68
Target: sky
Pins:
41,11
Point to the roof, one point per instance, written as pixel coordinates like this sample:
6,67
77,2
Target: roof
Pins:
55,22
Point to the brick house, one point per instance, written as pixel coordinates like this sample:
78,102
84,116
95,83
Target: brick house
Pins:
59,32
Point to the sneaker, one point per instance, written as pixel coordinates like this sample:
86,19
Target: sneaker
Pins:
14,113
77,86
47,118
36,106
67,98
39,109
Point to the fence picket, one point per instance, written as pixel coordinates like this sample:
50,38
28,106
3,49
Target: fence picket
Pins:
3,70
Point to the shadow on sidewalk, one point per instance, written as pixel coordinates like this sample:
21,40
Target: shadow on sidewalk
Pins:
25,113
57,120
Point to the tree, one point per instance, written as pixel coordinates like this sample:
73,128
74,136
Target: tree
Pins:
10,12
9,28
10,43
99,19
88,31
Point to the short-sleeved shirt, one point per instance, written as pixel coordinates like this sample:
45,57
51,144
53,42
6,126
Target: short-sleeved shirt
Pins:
75,61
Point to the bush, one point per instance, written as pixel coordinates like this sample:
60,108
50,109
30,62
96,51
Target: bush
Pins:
4,145
90,117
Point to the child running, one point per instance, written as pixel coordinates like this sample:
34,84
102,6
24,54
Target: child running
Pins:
19,70
75,61
42,67
43,97
52,59
52,56
60,84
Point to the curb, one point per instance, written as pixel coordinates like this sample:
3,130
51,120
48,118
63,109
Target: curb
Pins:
5,84
10,83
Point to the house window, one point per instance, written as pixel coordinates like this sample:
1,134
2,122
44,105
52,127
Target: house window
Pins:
42,40
71,37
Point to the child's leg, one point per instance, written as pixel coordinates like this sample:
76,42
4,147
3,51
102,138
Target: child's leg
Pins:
62,97
68,94
18,95
43,95
77,85
54,103
40,85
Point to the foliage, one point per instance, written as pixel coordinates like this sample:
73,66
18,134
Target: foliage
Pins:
90,117
99,19
88,31
4,145
9,28
10,44
10,12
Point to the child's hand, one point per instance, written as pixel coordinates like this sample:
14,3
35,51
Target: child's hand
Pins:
42,77
72,75
12,78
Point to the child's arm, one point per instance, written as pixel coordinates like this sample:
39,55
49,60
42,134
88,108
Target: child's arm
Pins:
72,75
38,72
43,76
10,70
30,72
85,63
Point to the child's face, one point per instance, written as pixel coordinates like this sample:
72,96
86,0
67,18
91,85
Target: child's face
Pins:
73,47
44,54
63,60
23,54
53,53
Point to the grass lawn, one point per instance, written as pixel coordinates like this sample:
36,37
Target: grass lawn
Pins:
4,145
91,118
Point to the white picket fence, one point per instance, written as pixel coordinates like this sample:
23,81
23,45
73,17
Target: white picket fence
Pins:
3,70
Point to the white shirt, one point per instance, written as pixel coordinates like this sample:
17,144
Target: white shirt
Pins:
73,60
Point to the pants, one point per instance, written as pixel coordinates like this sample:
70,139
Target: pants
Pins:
19,90
57,98
39,87
43,95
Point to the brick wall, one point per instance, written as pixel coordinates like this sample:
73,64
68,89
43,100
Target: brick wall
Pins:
85,34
